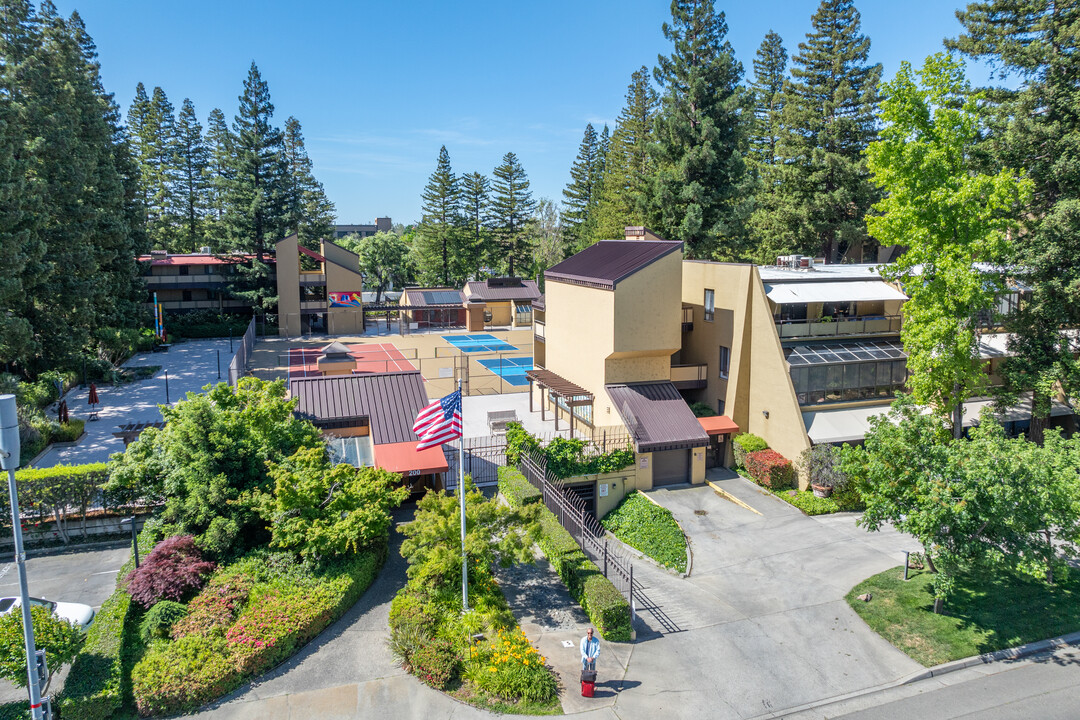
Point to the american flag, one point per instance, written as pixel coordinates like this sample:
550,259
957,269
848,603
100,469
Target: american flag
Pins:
439,422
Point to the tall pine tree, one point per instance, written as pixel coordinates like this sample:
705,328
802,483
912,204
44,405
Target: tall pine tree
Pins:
192,177
628,166
512,206
1036,126
439,233
308,212
475,189
770,72
579,196
829,118
220,144
695,191
254,218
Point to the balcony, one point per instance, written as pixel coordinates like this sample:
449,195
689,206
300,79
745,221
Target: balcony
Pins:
167,282
687,318
538,330
313,305
840,327
312,279
690,377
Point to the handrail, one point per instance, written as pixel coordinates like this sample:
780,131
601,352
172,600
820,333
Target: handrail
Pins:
840,326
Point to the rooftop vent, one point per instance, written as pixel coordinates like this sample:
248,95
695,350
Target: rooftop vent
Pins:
204,250
159,253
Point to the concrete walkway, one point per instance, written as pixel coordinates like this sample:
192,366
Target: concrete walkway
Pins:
190,366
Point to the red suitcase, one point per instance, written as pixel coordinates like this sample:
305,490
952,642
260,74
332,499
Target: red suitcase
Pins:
587,688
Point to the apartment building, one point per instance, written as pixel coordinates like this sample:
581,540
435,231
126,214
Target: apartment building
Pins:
193,281
383,224
501,301
318,291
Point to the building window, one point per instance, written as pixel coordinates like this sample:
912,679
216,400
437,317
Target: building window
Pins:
184,269
187,295
720,406
710,305
725,361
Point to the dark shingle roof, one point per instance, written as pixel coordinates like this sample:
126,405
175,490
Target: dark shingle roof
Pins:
607,262
390,402
479,290
657,416
433,297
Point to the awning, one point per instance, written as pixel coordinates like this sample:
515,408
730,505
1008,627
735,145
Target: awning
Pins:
850,425
810,292
657,416
404,458
718,425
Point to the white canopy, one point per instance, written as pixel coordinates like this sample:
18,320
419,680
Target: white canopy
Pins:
810,292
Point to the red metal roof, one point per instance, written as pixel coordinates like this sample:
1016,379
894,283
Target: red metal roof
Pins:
718,425
607,262
158,260
310,253
404,458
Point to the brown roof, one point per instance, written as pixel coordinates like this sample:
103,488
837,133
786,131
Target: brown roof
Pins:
480,290
389,401
657,416
607,262
432,297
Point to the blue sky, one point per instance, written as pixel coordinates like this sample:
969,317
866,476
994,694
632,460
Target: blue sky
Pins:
379,86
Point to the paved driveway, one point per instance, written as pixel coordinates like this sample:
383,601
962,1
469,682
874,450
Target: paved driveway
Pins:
760,624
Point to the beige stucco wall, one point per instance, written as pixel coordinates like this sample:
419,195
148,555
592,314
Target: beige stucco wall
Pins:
501,313
579,339
647,309
758,379
342,275
288,286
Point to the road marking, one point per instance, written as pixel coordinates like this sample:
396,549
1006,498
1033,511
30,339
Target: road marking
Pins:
5,570
106,572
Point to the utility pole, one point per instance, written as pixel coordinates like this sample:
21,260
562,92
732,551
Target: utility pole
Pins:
9,460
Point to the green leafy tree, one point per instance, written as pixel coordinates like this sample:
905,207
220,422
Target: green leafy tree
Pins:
950,217
829,117
475,201
695,194
628,165
57,637
192,177
494,534
308,212
214,449
580,195
323,511
1035,125
384,259
549,240
440,233
511,207
255,191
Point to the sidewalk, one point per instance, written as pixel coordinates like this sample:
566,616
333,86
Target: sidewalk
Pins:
190,366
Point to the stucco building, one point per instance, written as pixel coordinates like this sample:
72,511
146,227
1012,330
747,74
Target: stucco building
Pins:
193,281
318,291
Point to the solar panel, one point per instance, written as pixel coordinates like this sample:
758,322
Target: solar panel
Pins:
441,297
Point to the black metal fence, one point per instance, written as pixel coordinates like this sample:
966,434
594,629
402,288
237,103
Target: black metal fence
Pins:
582,525
238,366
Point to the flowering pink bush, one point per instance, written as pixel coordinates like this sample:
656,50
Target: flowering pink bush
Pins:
277,623
216,606
173,570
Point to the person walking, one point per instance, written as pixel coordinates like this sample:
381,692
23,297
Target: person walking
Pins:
590,650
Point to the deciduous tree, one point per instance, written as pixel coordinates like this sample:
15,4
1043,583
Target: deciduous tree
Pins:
384,260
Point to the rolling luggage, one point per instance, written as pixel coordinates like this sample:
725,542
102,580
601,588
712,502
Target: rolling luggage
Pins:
588,683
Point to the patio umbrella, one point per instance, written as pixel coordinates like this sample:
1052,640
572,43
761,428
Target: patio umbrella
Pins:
62,412
93,399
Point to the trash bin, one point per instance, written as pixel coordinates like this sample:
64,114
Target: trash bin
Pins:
588,683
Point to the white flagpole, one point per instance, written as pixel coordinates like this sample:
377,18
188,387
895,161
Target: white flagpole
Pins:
461,496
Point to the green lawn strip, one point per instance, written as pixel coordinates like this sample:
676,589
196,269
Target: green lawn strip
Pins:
648,528
989,611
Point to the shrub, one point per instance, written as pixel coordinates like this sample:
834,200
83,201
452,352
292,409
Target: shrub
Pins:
821,463
173,570
69,431
157,623
216,606
701,409
645,526
182,675
513,669
93,690
745,443
770,469
809,503
518,441
515,488
435,662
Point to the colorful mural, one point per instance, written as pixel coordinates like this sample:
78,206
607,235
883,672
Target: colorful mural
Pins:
346,299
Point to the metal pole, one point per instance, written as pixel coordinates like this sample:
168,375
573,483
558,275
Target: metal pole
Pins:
230,338
218,364
134,542
166,387
907,555
9,460
461,496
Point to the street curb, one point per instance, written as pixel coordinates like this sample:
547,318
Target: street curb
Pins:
69,549
728,496
1016,653
686,538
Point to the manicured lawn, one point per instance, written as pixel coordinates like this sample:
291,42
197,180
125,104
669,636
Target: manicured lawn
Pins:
990,612
645,526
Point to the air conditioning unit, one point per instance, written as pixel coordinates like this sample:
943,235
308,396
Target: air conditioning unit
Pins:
204,250
806,263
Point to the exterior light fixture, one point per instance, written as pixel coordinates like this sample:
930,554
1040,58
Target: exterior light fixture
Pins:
765,413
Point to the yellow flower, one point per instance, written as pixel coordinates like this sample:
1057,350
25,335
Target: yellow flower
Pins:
543,659
526,662
491,669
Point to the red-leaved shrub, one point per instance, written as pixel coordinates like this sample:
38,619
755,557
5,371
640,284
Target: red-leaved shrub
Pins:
216,606
173,570
770,468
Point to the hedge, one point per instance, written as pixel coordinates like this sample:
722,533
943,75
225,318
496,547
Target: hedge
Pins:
770,469
516,489
93,690
604,604
745,443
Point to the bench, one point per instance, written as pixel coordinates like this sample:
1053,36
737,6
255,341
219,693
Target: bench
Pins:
498,419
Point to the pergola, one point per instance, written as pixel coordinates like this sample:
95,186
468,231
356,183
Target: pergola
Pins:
558,387
130,432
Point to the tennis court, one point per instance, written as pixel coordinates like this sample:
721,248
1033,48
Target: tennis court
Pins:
512,370
374,358
479,343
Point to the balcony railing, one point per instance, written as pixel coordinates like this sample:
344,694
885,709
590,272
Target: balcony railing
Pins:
183,281
539,329
869,325
690,377
688,318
